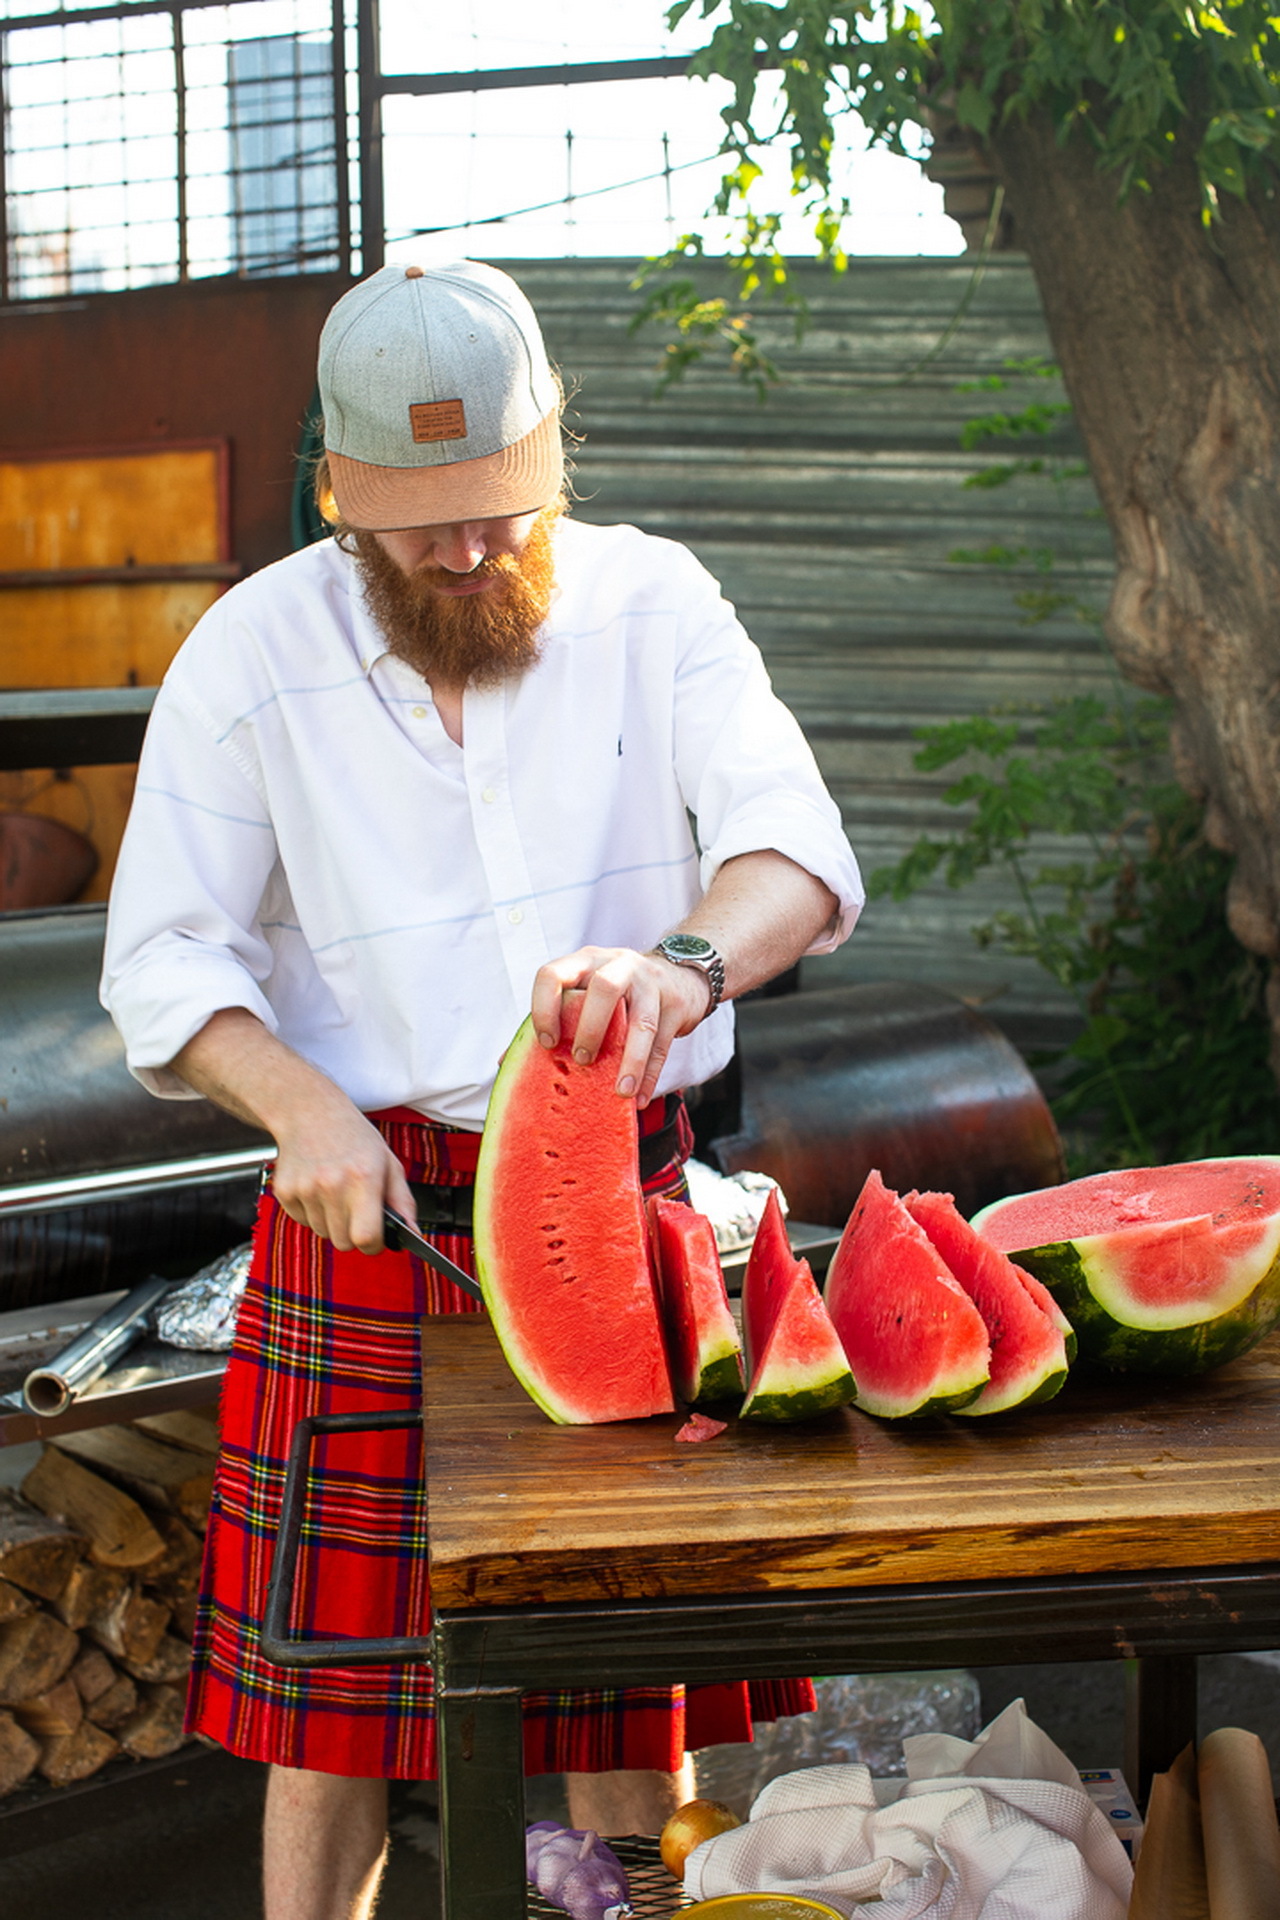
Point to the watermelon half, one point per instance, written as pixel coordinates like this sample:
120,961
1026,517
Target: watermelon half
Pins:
703,1349
1031,1339
561,1245
1159,1269
796,1368
914,1339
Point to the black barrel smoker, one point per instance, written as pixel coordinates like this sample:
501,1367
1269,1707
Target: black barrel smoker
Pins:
101,1184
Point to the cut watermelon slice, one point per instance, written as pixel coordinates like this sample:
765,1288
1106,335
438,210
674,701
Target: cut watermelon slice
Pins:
703,1349
1159,1269
914,1339
796,1368
561,1246
1029,1352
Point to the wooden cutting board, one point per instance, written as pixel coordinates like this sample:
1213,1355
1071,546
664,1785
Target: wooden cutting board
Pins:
1117,1474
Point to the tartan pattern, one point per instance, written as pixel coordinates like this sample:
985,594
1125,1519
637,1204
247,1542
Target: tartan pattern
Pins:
321,1332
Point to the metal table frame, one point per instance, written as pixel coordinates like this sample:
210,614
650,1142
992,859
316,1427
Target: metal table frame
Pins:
485,1659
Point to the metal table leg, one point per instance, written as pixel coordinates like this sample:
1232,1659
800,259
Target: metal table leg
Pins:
481,1777
1159,1716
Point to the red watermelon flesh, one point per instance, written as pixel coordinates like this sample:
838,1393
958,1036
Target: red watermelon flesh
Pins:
560,1237
1029,1353
796,1368
915,1341
703,1349
1160,1269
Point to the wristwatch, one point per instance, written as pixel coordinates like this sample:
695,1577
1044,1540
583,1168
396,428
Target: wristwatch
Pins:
691,950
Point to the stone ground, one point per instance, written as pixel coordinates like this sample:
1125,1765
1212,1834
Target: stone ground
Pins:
184,1846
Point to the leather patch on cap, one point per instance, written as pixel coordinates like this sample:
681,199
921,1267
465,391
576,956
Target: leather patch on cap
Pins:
438,420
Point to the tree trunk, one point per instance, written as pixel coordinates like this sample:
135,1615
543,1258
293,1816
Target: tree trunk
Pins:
1168,336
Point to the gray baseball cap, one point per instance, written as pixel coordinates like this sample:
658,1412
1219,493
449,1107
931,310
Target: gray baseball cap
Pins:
439,401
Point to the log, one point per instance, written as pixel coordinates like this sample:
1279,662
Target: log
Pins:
130,1628
13,1602
170,1663
179,1570
192,1427
19,1754
118,1531
74,1756
90,1590
92,1674
156,1729
36,1552
154,1471
114,1707
35,1652
59,1710
184,1615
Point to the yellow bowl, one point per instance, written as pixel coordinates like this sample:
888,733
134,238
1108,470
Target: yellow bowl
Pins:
759,1906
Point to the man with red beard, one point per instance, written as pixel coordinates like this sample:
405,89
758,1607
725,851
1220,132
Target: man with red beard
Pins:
399,790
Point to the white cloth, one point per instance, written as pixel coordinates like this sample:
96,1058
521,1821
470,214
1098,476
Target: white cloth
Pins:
307,842
1004,1832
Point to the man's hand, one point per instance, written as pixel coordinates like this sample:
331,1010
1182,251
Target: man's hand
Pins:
334,1172
760,913
662,1001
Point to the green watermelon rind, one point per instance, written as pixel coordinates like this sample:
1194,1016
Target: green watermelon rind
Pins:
719,1379
1108,1342
781,1405
954,1401
1052,1383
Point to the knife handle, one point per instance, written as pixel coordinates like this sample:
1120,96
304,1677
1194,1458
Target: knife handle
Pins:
402,1238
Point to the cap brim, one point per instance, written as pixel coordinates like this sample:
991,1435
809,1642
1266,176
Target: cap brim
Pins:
519,479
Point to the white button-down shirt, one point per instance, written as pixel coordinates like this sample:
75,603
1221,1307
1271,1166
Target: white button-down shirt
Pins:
307,841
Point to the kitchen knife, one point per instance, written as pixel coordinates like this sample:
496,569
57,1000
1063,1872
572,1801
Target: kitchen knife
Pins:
402,1238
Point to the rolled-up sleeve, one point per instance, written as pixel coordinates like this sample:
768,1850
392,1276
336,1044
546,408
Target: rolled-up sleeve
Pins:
743,762
183,933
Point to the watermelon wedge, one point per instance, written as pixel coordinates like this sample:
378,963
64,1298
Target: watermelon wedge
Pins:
1159,1269
703,1349
796,1368
1029,1347
561,1245
914,1339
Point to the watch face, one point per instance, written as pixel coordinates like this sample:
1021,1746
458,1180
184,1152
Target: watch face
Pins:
690,946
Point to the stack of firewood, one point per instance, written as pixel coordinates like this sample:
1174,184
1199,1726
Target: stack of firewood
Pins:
99,1565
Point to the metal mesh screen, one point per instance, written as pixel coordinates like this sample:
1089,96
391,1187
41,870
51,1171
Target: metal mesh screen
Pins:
153,146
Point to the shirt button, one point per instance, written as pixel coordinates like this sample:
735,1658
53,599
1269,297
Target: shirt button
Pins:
419,713
488,796
516,915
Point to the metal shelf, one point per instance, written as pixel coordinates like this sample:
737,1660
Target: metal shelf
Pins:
152,1378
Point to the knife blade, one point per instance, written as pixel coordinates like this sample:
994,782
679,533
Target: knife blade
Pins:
402,1238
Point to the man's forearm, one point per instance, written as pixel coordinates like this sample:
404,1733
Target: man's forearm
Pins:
334,1172
242,1067
760,913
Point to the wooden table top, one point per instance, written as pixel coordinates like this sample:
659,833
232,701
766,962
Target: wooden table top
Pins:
1117,1474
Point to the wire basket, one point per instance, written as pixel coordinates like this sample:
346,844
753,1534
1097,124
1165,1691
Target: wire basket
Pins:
654,1894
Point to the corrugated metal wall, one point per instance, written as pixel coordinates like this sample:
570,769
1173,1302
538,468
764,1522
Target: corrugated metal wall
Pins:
828,513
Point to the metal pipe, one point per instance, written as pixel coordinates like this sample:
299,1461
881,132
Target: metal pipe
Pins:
126,1183
49,1390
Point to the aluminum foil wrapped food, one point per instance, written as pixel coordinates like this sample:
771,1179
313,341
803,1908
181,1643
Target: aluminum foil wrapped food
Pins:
201,1313
732,1202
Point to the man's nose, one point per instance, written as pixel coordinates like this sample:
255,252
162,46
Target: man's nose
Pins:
461,548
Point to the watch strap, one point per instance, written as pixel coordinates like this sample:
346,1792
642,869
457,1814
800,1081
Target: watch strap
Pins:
709,964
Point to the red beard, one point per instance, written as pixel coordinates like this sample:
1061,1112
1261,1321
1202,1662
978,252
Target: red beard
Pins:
477,639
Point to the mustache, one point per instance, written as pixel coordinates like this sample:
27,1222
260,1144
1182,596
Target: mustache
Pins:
493,566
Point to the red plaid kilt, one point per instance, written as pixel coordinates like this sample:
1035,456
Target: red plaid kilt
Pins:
324,1332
